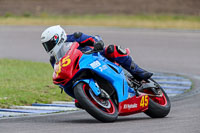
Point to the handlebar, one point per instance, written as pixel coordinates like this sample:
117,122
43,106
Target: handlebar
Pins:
92,51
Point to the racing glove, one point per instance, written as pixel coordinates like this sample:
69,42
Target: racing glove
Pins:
98,46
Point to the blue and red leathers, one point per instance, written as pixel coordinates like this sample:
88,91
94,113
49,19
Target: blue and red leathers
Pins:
112,52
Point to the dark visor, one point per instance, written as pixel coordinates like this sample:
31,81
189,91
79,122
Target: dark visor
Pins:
49,45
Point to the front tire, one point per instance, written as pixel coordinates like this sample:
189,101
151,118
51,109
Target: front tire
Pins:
101,109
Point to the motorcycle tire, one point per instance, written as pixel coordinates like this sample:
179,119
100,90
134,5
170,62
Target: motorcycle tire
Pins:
158,106
101,109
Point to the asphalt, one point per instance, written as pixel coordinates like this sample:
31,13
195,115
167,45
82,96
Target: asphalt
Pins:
174,51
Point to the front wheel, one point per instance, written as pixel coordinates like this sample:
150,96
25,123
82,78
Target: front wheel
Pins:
102,109
159,106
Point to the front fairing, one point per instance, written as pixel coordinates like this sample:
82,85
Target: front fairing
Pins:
67,66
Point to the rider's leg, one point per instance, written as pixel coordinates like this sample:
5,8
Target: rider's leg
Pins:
121,56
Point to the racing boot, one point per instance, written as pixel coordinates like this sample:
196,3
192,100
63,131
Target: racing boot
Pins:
137,72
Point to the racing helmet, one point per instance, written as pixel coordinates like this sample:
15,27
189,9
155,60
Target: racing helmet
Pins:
53,39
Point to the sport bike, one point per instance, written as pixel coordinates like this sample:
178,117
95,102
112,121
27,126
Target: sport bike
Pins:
104,89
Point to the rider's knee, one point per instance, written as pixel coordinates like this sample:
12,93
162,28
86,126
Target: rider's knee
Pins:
110,49
114,51
121,51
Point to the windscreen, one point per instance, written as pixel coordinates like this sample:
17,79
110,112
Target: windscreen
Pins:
63,50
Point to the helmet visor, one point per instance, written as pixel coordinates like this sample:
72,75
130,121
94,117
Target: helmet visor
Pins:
49,45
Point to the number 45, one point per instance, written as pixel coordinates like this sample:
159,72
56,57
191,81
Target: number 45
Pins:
144,101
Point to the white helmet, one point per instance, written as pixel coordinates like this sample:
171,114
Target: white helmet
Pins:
53,39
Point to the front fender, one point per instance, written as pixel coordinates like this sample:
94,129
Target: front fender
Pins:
94,86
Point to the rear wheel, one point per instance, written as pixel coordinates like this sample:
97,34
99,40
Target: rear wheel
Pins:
159,105
102,109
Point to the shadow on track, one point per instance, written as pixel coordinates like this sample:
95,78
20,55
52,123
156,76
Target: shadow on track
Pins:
91,120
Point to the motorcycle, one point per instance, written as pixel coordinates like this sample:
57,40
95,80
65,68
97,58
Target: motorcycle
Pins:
104,89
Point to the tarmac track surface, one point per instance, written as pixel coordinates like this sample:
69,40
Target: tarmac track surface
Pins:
157,50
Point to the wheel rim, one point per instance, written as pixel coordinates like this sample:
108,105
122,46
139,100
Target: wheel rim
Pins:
104,103
106,106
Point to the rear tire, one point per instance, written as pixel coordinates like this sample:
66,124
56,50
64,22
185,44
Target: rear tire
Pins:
158,106
107,113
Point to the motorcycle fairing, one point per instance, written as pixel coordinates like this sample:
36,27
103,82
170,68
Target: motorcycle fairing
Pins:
75,62
114,74
67,66
134,105
107,70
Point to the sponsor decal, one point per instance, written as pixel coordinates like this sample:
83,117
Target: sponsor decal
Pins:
104,67
95,64
130,106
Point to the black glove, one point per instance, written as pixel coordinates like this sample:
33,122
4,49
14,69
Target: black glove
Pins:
98,46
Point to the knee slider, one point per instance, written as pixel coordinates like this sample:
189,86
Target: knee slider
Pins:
121,50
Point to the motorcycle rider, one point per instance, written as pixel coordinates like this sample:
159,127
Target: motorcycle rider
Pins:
54,38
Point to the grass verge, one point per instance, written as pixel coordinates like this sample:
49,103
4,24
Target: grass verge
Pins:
135,21
26,82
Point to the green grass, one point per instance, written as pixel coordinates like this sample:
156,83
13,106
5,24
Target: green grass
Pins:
26,82
135,21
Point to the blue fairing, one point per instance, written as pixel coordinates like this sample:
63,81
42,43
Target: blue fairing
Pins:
107,70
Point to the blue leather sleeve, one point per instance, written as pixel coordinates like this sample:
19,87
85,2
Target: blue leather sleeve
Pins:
83,38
